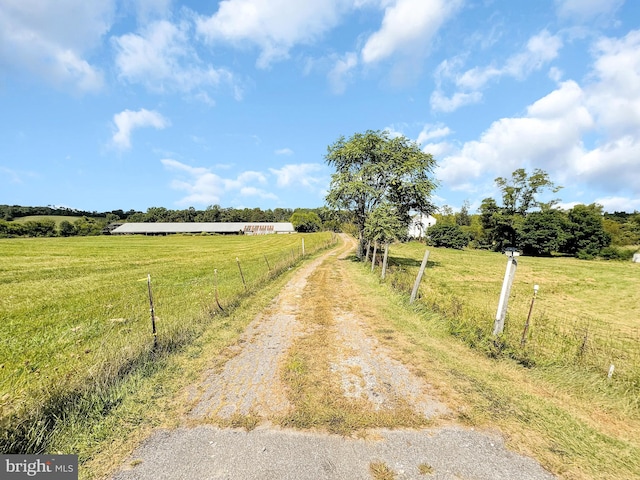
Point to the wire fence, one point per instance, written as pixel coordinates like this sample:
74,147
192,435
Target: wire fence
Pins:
125,320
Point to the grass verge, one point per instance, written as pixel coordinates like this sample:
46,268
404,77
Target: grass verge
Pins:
572,421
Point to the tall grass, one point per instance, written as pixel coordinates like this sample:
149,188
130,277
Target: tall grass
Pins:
75,316
586,316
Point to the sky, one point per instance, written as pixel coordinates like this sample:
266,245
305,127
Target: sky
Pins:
130,104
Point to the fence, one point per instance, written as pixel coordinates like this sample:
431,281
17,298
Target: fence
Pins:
82,324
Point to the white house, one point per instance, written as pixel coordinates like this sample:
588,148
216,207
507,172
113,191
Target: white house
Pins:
419,224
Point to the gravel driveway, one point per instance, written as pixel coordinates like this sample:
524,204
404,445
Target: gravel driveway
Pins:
251,383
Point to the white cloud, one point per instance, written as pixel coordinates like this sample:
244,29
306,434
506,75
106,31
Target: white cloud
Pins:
274,26
549,137
430,132
552,133
127,120
284,151
441,103
204,187
615,96
619,204
298,174
50,38
342,72
407,27
540,50
161,58
586,9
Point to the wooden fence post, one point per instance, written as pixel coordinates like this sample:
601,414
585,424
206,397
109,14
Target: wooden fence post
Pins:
373,258
416,284
241,274
384,262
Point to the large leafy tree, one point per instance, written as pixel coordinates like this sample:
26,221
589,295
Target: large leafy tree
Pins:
373,169
587,231
520,196
544,232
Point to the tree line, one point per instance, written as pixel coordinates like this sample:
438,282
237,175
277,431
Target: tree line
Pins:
96,223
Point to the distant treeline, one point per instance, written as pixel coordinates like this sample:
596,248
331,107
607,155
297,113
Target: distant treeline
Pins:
96,223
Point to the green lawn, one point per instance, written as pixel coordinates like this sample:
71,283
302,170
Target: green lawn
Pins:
75,311
578,299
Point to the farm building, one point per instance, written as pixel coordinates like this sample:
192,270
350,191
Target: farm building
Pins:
228,228
419,225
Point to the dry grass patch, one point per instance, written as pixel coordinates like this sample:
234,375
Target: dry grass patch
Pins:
314,389
381,471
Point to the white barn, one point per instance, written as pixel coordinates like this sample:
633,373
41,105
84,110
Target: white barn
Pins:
228,228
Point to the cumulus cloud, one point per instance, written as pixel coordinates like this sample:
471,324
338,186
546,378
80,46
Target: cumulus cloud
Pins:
441,103
274,26
161,58
128,120
298,174
551,135
407,27
50,39
204,187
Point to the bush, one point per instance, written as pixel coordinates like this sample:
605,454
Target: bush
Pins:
613,253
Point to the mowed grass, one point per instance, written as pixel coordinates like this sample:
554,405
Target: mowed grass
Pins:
566,414
38,218
586,314
75,311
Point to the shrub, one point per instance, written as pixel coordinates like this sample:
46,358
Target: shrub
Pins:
613,253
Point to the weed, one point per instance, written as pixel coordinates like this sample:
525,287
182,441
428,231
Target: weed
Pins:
380,471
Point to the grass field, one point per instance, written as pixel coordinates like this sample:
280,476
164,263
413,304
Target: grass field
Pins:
586,313
75,311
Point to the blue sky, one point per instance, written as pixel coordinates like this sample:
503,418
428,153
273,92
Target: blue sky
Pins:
110,104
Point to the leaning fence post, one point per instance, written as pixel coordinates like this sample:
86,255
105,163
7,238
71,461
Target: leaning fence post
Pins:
509,276
267,260
416,284
152,310
241,274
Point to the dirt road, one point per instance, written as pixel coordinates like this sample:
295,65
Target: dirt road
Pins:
307,354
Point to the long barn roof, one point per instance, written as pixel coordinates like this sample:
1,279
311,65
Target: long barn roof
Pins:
204,227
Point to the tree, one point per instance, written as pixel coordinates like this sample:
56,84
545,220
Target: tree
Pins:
519,196
463,218
587,231
66,229
305,221
544,232
383,225
374,169
448,236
